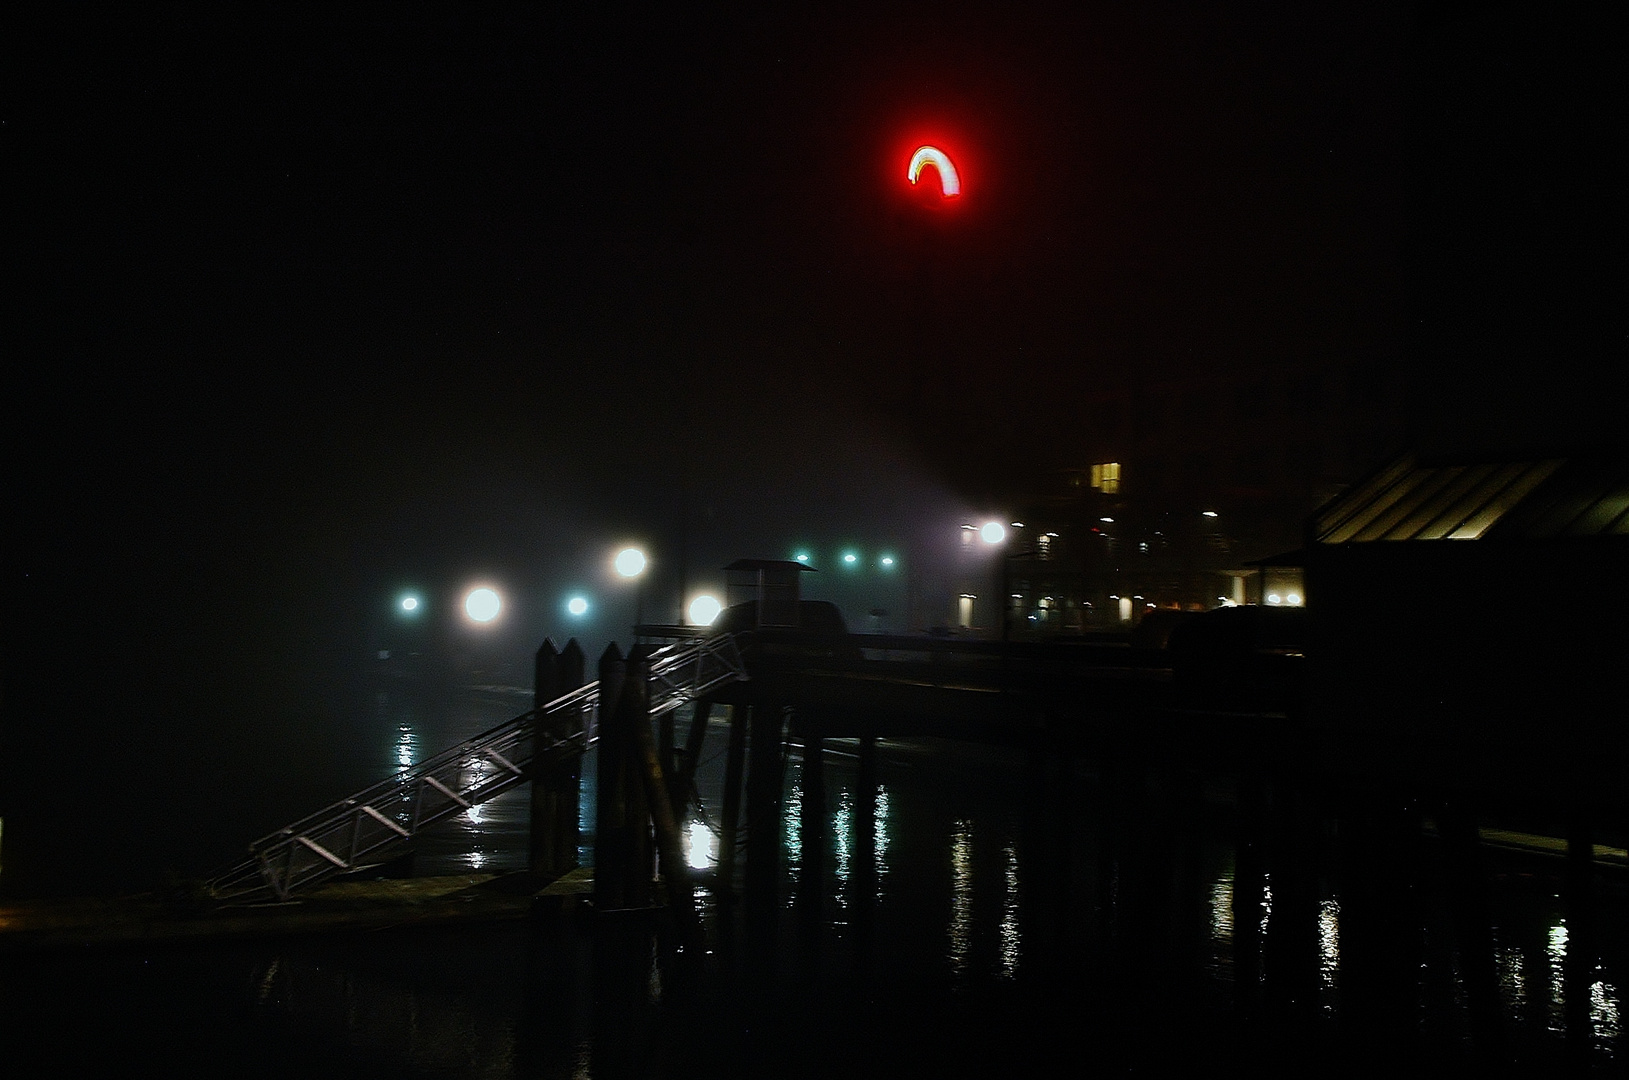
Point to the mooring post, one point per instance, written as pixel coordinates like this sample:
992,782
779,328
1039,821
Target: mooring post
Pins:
765,775
1249,889
1289,954
621,833
1578,965
665,743
812,819
863,883
675,872
556,784
685,778
1473,919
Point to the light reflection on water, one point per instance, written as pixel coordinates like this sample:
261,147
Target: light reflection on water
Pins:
489,836
1555,952
842,825
940,846
961,896
1011,943
1329,951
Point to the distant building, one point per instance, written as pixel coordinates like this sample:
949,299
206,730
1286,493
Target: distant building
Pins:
1190,492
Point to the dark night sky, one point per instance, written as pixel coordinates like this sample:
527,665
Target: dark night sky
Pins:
301,306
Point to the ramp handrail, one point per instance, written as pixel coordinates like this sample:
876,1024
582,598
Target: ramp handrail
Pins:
381,821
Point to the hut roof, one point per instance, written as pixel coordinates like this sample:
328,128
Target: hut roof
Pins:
1537,498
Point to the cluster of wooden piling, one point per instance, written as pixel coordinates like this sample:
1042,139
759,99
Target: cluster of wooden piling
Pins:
645,780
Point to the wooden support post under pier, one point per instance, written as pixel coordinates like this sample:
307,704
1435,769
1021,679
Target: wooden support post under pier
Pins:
622,862
813,818
764,778
730,826
675,872
685,778
863,889
556,785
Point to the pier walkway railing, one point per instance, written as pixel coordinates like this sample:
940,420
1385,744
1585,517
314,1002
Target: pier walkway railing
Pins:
381,822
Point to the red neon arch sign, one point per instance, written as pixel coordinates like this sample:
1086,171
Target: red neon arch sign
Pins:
950,182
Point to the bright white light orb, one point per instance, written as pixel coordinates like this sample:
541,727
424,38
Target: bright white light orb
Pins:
700,843
887,560
410,603
993,533
482,605
577,606
850,558
704,609
630,562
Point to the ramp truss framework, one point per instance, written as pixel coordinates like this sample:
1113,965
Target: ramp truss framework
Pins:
381,822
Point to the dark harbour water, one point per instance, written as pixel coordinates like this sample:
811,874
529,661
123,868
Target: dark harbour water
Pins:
1064,921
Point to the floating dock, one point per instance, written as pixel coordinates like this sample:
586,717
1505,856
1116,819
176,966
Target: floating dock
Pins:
337,906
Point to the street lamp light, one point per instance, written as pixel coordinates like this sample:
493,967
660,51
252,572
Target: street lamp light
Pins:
482,604
704,609
631,563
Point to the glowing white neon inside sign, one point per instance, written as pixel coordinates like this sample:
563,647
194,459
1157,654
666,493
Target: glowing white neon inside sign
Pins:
949,182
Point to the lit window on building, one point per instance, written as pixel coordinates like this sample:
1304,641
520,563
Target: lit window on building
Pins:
1106,477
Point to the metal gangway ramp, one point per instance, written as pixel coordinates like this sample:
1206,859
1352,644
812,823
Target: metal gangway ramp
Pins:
381,822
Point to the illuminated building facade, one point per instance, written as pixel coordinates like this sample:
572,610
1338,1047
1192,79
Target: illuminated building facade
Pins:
1191,493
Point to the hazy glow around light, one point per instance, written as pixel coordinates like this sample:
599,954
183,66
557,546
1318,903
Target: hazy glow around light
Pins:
482,605
410,603
577,605
950,182
993,533
704,609
630,562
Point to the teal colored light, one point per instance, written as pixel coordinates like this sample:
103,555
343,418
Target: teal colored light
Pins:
409,605
887,562
850,559
802,556
577,606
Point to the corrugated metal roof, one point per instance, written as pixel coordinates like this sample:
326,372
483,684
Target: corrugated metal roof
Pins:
1541,498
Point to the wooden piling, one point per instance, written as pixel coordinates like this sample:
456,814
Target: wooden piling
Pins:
622,863
813,817
765,775
1578,966
556,786
1467,878
635,702
730,825
685,778
1290,952
863,883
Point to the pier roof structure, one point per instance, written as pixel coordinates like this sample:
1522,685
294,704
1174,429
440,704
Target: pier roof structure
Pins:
1470,618
1538,498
